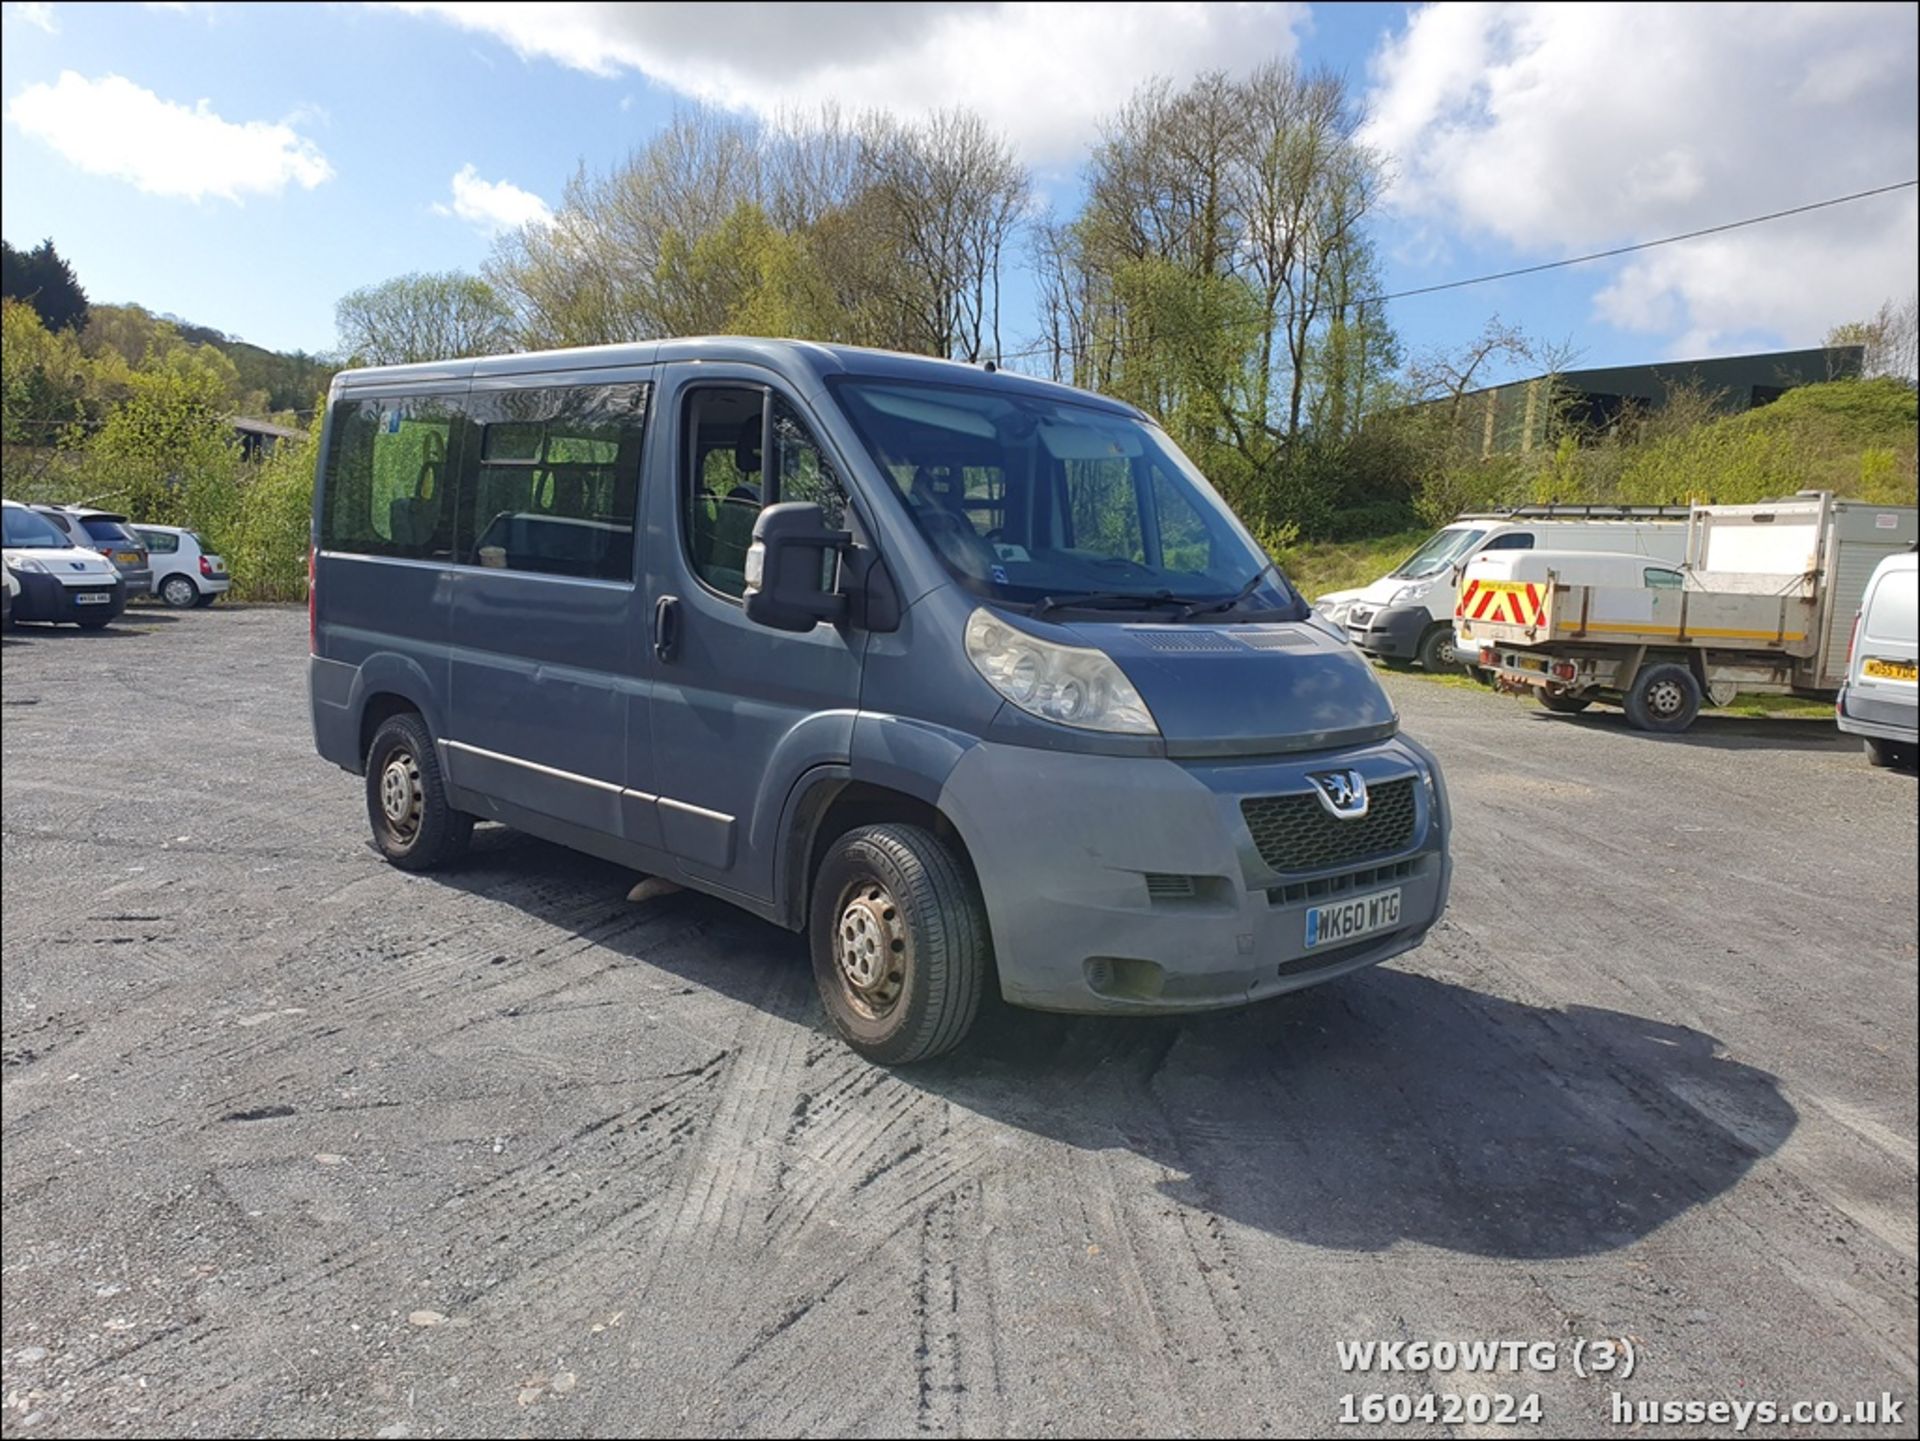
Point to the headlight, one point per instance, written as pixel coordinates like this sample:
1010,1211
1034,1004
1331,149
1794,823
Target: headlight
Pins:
1411,594
27,563
1065,683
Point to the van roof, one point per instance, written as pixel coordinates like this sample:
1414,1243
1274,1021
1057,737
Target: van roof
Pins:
798,360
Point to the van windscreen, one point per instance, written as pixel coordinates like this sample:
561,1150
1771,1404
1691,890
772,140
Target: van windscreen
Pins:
1030,499
1441,550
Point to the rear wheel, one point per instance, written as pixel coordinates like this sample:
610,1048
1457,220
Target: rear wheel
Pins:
1439,655
413,825
1663,698
1563,704
899,940
179,592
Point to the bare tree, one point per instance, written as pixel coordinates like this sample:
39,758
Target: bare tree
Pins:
954,193
1890,342
422,317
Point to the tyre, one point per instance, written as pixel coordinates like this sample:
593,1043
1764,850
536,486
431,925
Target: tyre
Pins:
1438,654
179,593
413,825
1664,698
900,947
1890,753
1564,704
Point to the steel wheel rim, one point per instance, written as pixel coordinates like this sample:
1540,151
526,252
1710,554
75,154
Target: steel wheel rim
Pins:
872,948
1664,698
1449,654
401,796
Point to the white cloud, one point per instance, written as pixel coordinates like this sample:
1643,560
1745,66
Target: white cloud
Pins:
1560,128
36,13
111,126
493,205
1042,73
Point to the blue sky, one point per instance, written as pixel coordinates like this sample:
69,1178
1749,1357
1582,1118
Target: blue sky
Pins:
1517,133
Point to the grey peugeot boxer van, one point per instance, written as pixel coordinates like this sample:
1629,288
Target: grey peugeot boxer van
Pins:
971,676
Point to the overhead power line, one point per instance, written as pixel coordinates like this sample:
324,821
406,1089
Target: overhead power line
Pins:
1546,265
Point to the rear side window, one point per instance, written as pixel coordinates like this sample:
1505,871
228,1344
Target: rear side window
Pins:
556,485
161,542
389,478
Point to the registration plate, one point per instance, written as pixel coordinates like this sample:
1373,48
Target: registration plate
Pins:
1891,669
92,597
1345,920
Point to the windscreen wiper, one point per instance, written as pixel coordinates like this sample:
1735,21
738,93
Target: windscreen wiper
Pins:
1213,607
1107,600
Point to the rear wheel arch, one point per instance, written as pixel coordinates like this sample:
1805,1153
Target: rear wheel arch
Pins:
377,710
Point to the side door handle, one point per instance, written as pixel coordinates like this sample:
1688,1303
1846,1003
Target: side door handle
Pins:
666,626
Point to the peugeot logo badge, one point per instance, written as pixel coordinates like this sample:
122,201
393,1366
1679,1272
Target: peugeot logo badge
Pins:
1344,793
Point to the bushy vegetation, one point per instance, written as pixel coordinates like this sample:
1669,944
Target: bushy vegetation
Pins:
123,411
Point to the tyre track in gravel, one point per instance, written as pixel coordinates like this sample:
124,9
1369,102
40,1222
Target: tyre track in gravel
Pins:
1655,1079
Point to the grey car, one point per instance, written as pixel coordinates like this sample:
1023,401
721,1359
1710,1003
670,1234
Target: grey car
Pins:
109,533
971,678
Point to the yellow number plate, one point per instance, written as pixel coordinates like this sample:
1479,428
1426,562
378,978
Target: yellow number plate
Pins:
1892,669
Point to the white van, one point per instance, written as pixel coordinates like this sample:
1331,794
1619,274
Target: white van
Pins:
1408,613
1881,698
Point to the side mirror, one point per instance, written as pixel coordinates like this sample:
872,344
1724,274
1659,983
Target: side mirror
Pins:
792,567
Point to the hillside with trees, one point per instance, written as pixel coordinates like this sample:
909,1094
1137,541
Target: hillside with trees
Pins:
1219,270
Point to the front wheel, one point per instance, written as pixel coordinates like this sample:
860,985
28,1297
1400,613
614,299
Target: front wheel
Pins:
179,593
900,945
1663,698
1439,655
414,826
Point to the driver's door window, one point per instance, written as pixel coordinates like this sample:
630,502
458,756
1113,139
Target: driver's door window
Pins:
727,484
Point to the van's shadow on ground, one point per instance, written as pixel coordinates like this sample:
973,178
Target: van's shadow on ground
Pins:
1381,1108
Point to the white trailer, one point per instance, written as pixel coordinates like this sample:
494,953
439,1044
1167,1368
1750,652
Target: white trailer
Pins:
1764,602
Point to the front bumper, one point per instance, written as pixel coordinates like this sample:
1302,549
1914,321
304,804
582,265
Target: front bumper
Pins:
1390,631
1884,720
47,597
1126,885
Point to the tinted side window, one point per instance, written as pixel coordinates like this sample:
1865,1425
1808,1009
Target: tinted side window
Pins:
726,484
389,478
557,481
1512,540
1659,578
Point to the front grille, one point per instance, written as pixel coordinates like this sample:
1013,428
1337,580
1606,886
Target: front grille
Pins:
1327,887
1297,833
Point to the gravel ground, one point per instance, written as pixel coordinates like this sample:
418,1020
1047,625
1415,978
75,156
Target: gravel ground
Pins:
296,1143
